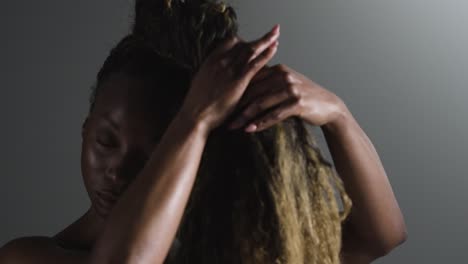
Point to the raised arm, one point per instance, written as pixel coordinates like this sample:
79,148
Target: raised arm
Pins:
375,225
143,223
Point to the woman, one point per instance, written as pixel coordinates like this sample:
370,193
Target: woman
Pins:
166,163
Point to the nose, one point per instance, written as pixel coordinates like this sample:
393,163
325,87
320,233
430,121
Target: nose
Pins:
113,173
122,169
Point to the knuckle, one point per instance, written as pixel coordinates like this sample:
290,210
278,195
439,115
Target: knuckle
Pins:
276,115
300,103
281,67
288,77
250,50
230,41
235,39
271,119
255,64
282,74
253,108
245,116
263,121
276,68
292,91
223,63
259,106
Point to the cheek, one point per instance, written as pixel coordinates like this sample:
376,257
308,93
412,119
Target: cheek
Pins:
91,167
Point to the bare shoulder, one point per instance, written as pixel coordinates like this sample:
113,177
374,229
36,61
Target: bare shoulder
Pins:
38,249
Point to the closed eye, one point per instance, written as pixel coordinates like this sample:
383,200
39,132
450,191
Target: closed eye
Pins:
105,141
105,144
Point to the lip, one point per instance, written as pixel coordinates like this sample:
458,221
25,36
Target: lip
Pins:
106,197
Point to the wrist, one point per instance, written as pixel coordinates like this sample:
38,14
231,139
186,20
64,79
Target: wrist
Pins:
342,120
185,121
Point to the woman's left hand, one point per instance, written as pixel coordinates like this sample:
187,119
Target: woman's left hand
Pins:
279,92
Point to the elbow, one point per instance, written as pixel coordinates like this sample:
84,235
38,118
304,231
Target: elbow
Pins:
388,244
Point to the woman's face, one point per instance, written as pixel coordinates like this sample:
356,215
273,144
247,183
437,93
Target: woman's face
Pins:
117,139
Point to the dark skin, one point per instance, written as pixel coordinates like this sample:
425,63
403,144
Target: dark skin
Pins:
117,139
111,159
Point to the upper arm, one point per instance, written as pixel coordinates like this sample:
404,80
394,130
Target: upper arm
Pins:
353,250
28,250
356,250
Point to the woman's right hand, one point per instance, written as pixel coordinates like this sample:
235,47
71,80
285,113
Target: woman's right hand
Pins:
223,77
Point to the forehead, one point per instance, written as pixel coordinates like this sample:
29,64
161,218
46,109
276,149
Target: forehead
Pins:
126,102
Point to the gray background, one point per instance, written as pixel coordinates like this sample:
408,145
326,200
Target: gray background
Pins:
400,66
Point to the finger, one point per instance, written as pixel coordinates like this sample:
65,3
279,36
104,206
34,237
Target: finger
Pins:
224,47
263,73
234,54
260,106
250,50
255,65
265,41
235,49
266,80
277,115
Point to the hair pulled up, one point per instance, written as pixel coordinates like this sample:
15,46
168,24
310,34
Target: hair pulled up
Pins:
186,31
265,197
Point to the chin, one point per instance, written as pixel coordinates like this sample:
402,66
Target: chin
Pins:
102,208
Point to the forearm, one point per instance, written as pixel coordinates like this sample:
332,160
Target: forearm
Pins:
143,223
375,218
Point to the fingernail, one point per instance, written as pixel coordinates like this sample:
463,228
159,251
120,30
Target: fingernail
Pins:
251,128
275,29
